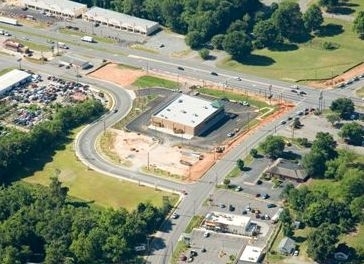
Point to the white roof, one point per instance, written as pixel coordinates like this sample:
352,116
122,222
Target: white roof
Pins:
228,219
251,254
61,6
11,78
119,19
187,110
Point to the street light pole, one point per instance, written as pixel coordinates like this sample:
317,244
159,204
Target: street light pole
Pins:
19,60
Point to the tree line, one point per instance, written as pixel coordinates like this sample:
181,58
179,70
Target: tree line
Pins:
41,224
19,149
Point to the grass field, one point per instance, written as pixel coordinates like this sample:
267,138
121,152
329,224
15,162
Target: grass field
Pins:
308,60
95,187
355,240
151,81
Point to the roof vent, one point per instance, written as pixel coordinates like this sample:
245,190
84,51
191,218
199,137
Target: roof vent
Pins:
168,109
180,100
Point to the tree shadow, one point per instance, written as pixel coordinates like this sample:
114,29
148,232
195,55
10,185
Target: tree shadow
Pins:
284,47
156,244
290,155
343,9
257,60
299,239
36,163
330,30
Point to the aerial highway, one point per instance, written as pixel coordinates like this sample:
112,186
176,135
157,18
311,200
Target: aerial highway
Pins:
122,100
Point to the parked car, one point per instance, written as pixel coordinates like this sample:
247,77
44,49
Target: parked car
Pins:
180,68
271,205
265,196
174,216
214,73
206,234
231,208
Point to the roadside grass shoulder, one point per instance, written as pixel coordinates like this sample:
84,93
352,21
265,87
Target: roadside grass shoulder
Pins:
288,63
149,81
360,92
92,186
34,46
6,70
232,96
81,34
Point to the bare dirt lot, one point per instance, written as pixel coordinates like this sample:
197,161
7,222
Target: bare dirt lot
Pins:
116,74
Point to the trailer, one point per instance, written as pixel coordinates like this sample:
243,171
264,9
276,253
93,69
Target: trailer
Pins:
10,21
87,39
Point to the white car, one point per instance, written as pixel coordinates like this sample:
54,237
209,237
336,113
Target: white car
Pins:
237,78
174,216
206,234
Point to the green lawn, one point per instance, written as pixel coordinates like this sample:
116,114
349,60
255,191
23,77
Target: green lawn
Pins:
356,239
90,185
34,46
306,61
151,81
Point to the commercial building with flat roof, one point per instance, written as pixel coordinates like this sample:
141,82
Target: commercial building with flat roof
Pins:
121,21
251,254
12,79
71,60
57,7
188,115
229,223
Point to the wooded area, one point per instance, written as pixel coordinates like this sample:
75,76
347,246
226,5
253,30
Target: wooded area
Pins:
41,224
19,149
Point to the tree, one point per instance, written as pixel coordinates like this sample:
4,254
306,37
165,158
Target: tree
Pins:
358,24
226,181
313,18
333,118
325,144
356,208
343,106
240,164
204,53
217,41
194,39
237,25
273,146
253,152
237,44
266,34
288,19
321,242
286,190
352,133
329,4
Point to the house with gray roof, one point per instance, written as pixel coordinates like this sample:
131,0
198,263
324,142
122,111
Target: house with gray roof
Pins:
287,169
287,246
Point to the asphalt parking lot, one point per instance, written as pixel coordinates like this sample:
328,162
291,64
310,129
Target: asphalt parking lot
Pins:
236,117
218,246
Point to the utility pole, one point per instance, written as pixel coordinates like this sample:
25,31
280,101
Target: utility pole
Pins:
320,101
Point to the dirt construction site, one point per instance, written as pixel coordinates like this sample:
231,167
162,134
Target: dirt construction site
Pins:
140,151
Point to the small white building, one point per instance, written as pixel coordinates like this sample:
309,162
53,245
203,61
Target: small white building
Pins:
251,254
120,21
56,7
12,79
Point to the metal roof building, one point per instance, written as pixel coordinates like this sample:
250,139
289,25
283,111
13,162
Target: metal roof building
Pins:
188,115
12,79
121,21
57,7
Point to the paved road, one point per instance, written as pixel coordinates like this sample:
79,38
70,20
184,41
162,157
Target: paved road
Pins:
198,192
